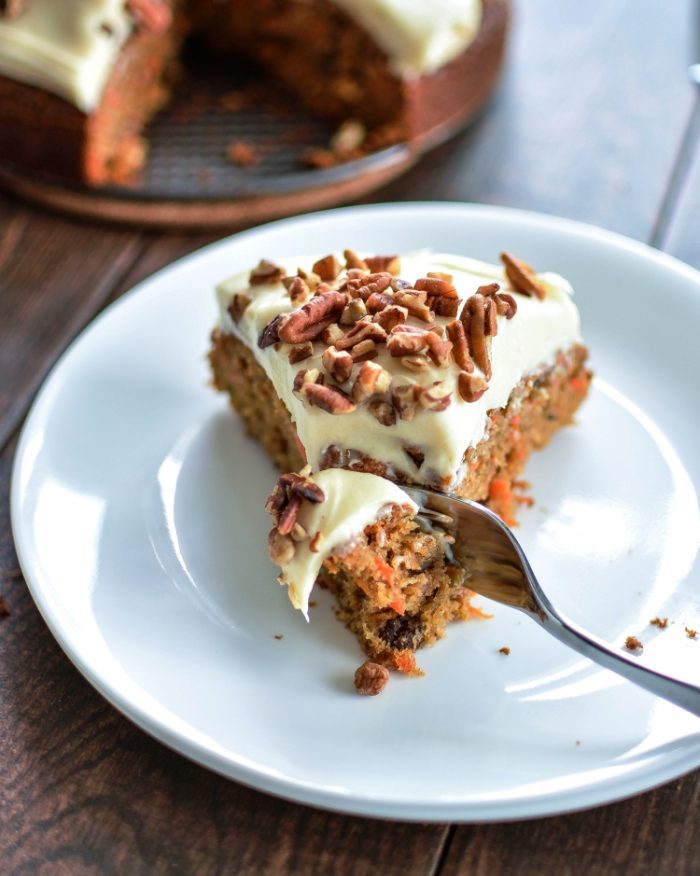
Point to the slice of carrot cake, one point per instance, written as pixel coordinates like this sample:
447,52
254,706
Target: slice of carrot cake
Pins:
386,563
429,369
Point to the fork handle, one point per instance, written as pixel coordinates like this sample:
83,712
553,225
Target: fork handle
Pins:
681,693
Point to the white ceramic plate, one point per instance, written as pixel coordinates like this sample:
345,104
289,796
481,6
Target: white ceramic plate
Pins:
137,508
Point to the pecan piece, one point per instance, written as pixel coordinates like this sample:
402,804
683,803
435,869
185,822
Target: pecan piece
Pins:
391,316
382,411
338,363
414,301
238,305
331,400
490,317
460,345
300,352
378,301
522,277
405,400
304,376
270,334
478,346
327,268
365,350
438,350
266,273
439,286
390,263
10,9
332,334
443,306
302,486
405,343
488,289
298,290
371,379
361,331
312,318
418,362
364,285
436,397
352,260
371,678
311,279
354,311
506,305
288,516
471,387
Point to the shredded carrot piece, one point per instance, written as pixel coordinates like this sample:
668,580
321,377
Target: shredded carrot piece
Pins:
384,569
499,489
398,604
405,662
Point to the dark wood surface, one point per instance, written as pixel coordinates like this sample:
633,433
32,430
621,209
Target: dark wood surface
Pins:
595,120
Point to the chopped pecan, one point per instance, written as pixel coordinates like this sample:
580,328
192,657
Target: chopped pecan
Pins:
417,362
154,15
443,306
298,290
437,329
438,286
382,411
352,260
311,279
460,345
270,334
438,350
299,352
471,387
506,305
298,533
403,343
302,485
331,334
304,376
371,379
391,316
522,277
281,548
312,318
435,397
327,268
331,400
371,678
378,301
354,311
478,346
337,363
414,301
238,305
288,515
490,317
488,289
390,263
323,288
363,351
361,331
266,273
362,285
405,400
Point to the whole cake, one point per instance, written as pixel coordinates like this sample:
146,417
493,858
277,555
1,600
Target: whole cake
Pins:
377,371
79,79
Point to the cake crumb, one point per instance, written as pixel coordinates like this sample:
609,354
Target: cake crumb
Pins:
4,610
242,154
660,622
371,679
504,650
691,634
279,636
632,643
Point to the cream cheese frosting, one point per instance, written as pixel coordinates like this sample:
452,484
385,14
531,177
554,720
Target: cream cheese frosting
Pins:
530,340
68,47
353,500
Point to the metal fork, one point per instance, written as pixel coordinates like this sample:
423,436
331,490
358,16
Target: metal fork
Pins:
498,569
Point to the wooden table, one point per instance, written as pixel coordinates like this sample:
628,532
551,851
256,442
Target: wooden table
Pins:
596,119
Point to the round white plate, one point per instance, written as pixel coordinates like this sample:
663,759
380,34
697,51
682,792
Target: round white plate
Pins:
137,509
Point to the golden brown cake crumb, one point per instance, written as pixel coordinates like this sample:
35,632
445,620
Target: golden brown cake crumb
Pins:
691,634
632,643
660,622
504,650
371,678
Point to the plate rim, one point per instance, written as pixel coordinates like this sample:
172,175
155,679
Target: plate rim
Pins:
658,770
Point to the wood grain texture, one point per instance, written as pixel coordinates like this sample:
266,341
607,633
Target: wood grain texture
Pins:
586,123
54,276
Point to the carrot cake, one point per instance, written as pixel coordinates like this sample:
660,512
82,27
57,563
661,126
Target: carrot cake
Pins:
387,564
79,79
